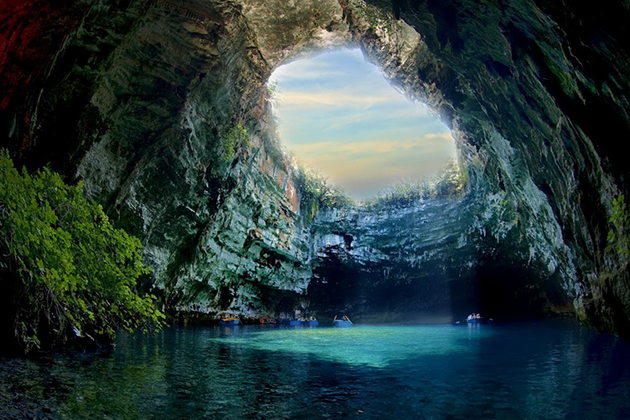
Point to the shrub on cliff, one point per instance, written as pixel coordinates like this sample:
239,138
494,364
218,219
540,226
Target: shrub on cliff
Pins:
233,137
316,193
66,271
450,182
618,235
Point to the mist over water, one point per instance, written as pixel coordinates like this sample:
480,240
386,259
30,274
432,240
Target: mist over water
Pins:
551,370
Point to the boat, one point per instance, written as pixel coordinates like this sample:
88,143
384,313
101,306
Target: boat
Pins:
229,322
290,322
310,323
340,323
478,320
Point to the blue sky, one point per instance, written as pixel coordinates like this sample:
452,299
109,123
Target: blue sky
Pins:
339,116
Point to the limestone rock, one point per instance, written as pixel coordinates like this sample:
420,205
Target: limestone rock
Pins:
136,99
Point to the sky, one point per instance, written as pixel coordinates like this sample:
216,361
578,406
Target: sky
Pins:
338,115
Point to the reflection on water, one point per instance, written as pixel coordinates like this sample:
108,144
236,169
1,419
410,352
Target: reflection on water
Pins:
551,370
370,346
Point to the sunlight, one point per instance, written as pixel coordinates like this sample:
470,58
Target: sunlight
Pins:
363,345
339,115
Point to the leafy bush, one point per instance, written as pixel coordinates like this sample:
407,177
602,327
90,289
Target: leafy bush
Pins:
449,182
71,272
316,193
618,236
232,137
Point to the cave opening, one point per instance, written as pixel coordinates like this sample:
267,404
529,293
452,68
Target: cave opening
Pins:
344,120
397,254
146,102
339,116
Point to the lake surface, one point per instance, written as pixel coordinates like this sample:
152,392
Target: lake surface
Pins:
545,370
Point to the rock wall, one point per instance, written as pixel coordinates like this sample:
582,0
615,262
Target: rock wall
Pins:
415,263
138,99
426,262
139,104
538,90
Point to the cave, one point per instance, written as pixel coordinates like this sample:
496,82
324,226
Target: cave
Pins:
161,111
136,99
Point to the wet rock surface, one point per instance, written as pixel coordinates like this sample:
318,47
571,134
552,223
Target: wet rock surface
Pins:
426,262
137,99
537,89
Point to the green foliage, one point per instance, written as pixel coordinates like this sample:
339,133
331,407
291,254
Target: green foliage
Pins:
73,272
374,16
618,236
272,91
449,182
316,193
233,137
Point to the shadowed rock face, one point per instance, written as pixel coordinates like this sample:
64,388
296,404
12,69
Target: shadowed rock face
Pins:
138,99
538,91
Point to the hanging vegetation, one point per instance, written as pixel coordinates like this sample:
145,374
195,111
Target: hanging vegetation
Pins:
66,271
618,236
233,137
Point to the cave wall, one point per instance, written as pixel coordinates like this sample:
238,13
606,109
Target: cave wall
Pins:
138,104
539,90
412,263
136,99
426,261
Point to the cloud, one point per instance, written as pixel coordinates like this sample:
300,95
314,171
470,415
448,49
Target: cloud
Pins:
374,159
338,151
325,99
369,117
305,70
340,116
336,79
331,65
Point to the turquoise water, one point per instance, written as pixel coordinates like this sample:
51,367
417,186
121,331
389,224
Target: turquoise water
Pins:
548,370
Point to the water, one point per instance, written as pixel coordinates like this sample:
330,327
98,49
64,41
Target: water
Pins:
548,370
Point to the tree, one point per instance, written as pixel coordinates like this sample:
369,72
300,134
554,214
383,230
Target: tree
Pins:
71,273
